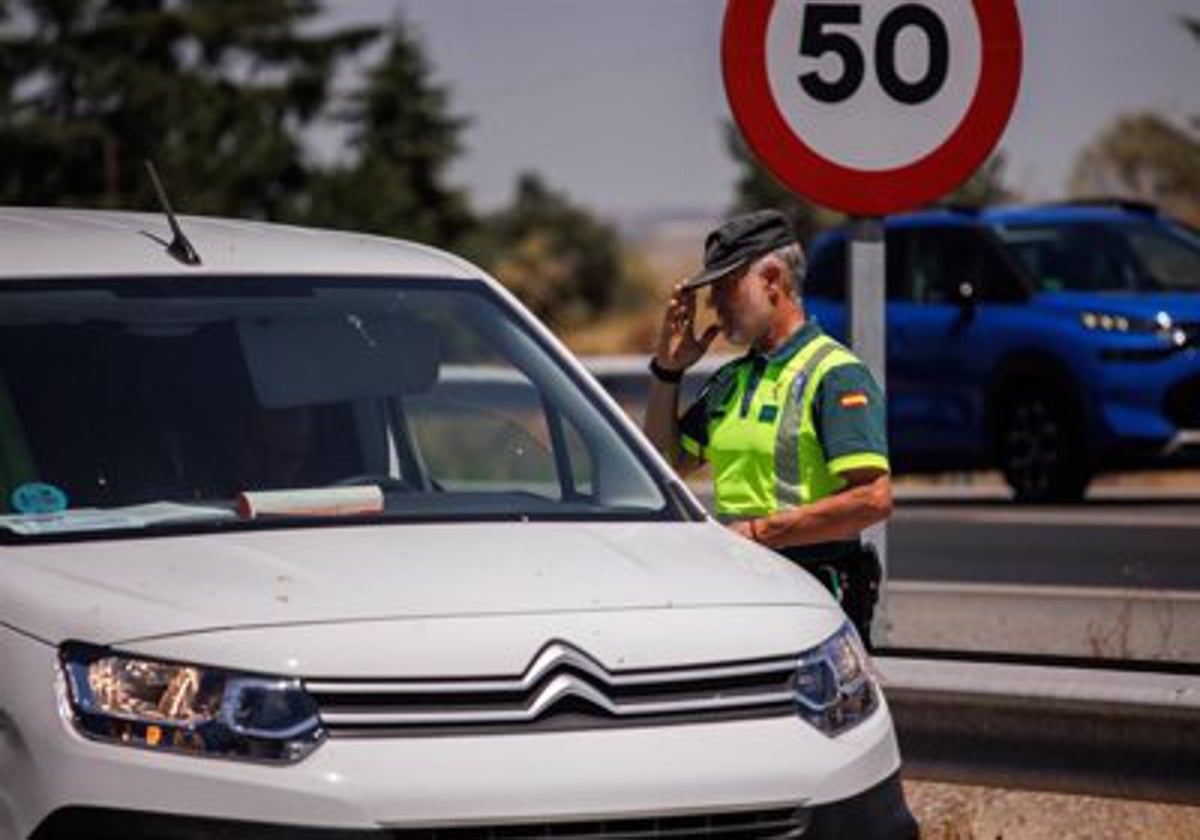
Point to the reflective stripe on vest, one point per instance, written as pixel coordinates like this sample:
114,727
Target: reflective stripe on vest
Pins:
758,466
789,478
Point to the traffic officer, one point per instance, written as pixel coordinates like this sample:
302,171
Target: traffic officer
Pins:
794,430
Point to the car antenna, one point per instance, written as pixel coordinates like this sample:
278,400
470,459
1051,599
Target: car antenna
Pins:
180,248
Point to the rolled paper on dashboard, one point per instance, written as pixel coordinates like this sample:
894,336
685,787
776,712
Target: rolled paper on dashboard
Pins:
315,501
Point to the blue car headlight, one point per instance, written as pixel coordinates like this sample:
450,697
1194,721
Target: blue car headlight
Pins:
1161,326
835,685
189,709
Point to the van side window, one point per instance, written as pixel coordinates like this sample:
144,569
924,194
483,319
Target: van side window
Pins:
488,429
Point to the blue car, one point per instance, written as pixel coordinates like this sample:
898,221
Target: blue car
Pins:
1051,342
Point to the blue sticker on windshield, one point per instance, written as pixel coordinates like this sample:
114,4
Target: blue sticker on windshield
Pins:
36,497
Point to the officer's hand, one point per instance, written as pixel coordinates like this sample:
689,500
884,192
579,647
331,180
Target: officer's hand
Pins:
678,346
742,528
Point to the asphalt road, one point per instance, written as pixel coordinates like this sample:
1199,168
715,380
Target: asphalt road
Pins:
1129,539
1148,543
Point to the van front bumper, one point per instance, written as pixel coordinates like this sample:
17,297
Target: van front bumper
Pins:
879,813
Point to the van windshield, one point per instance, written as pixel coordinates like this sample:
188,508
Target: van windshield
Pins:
154,405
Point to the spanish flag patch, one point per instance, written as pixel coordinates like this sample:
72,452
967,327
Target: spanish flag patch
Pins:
853,399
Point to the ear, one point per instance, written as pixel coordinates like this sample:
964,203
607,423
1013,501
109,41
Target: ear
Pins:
773,274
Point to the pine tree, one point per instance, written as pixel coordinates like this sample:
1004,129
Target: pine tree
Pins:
560,259
402,140
217,93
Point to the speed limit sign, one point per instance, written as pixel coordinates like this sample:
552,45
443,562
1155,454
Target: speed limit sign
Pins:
875,106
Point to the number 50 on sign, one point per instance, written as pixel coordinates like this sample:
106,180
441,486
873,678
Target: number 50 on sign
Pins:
875,106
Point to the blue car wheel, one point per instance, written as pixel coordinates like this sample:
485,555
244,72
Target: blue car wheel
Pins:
1040,448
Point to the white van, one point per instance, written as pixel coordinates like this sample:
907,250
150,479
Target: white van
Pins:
324,536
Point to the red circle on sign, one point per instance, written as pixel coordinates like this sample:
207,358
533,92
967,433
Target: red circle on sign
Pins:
859,191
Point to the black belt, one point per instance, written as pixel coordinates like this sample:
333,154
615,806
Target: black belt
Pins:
818,552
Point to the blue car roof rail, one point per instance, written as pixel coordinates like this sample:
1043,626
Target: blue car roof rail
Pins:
953,207
1129,205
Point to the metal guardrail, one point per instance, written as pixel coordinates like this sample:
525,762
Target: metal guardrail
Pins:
1095,731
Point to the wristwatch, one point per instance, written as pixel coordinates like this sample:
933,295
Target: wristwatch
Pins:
663,374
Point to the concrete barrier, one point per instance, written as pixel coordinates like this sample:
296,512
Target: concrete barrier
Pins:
1147,624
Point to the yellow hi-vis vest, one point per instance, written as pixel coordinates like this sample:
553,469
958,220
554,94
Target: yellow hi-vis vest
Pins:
764,451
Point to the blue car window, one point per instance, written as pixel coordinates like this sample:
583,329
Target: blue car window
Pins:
938,261
1105,257
926,264
1169,260
826,276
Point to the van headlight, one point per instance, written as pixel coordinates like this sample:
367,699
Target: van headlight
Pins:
835,685
182,708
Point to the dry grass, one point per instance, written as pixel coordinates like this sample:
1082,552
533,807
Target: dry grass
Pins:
960,812
628,333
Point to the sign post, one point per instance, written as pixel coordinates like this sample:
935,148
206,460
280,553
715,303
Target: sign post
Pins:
866,294
871,107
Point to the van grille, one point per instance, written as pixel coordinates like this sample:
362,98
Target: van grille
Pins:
562,688
750,825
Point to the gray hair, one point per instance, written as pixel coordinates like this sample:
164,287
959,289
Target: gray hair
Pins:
794,264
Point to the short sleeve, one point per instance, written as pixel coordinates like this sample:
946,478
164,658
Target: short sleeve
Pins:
851,419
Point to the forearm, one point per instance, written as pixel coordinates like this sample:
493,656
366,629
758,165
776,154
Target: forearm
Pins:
678,349
662,419
840,517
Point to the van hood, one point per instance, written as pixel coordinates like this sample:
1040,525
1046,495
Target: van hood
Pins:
107,592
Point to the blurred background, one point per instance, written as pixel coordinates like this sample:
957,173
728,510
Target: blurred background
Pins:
578,150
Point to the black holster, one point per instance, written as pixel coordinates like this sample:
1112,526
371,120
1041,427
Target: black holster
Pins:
853,576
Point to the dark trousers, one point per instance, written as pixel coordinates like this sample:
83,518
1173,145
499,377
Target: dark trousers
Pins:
852,574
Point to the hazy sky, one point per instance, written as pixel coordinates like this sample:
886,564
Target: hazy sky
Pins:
620,102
